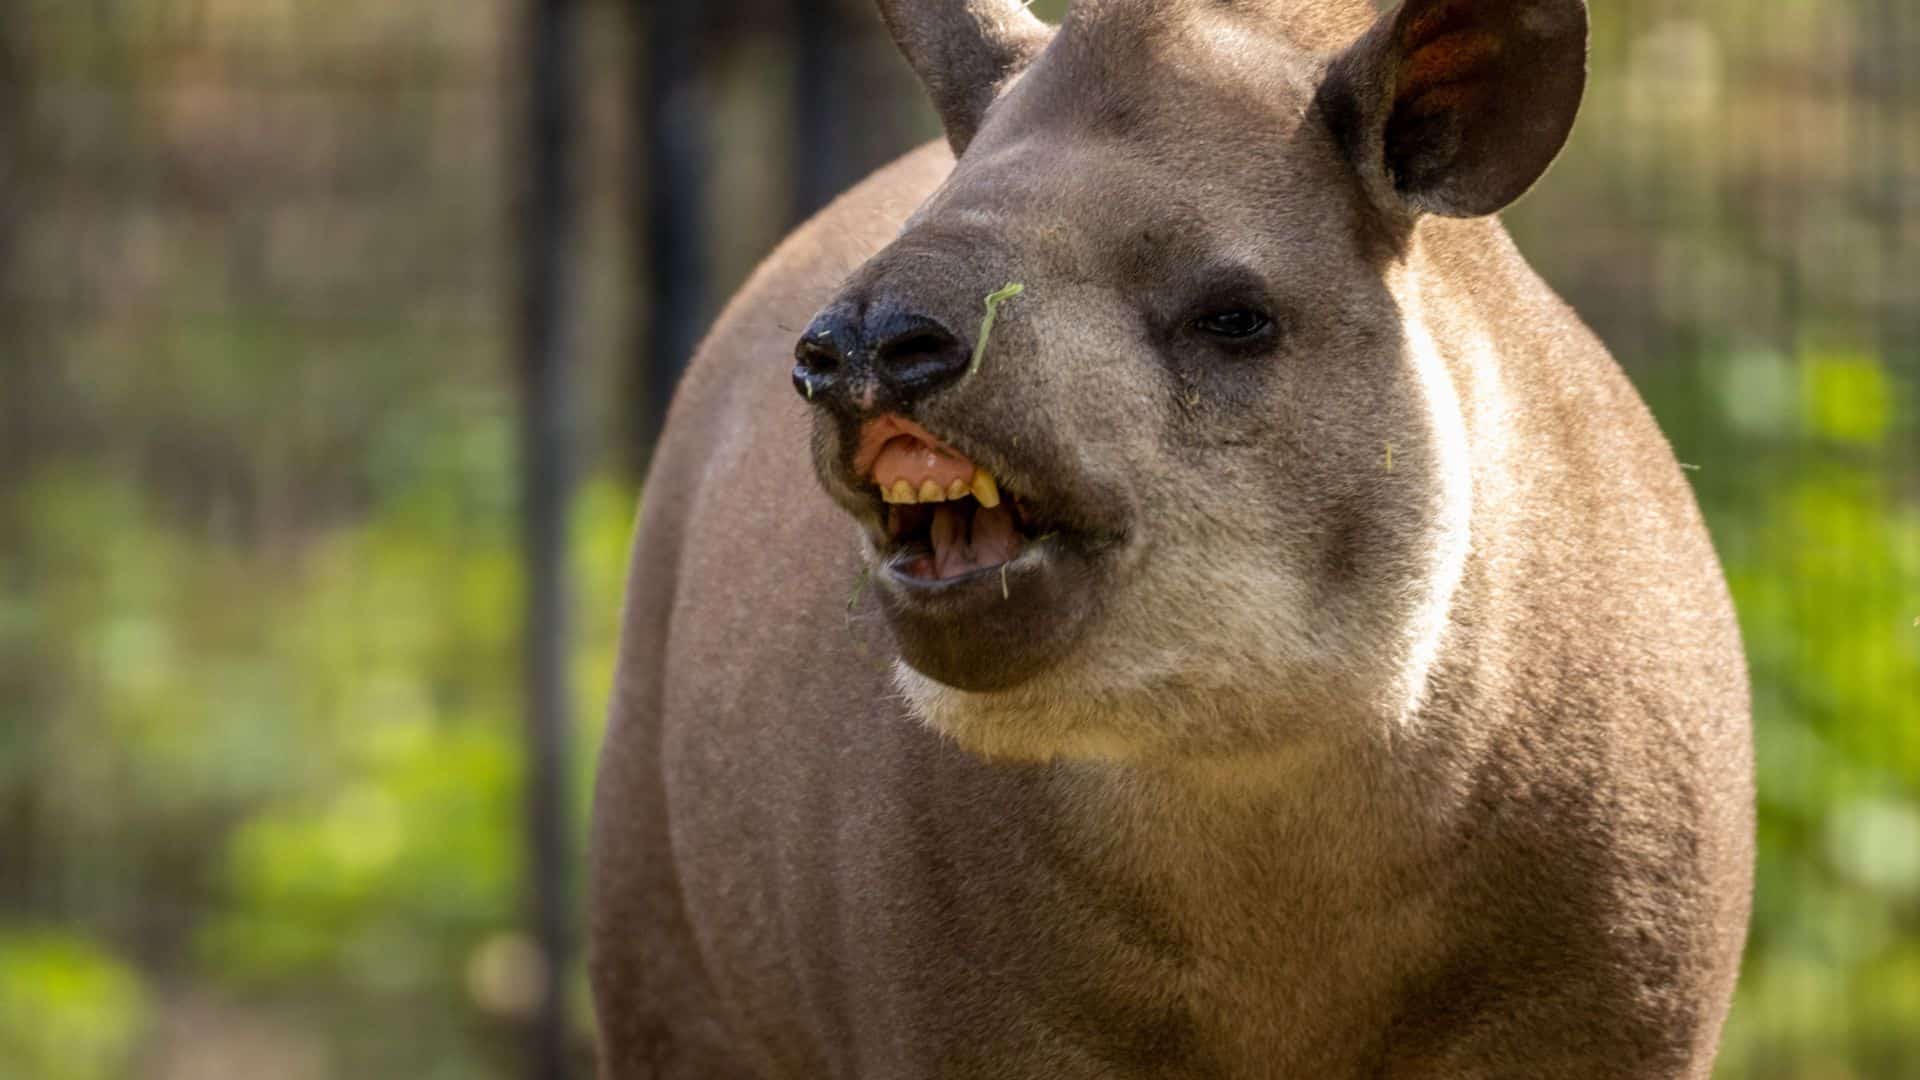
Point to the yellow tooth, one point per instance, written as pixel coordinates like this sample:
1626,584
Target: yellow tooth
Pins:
902,492
956,489
985,490
930,491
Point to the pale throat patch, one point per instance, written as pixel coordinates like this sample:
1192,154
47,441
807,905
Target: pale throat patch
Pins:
1450,534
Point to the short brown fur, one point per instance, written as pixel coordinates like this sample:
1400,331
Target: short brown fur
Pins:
1386,715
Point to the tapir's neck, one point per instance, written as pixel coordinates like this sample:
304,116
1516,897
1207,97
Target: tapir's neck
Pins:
1333,819
1293,886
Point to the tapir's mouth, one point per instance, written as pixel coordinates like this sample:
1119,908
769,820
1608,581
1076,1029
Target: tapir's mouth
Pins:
987,573
945,517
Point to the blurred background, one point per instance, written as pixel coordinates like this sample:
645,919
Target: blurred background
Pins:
332,338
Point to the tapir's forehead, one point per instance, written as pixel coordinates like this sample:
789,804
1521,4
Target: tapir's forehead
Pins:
1199,176
1082,197
1120,27
1212,113
1145,79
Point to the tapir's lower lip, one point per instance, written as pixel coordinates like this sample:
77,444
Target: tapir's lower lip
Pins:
1033,559
995,627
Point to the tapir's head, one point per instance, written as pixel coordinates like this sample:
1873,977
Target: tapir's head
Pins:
1202,480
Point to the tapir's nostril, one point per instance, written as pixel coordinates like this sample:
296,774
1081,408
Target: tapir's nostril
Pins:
817,356
919,356
915,347
819,360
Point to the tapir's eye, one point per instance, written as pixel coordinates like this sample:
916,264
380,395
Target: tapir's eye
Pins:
1234,324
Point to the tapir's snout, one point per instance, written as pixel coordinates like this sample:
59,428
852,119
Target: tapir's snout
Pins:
875,355
987,547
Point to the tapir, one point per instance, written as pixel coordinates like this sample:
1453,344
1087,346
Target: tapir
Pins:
1156,586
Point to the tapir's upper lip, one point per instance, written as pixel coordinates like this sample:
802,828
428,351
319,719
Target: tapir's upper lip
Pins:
876,432
871,462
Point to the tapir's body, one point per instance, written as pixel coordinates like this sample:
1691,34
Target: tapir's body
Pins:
1538,866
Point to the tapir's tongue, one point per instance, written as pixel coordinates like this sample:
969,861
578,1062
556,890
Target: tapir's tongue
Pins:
968,537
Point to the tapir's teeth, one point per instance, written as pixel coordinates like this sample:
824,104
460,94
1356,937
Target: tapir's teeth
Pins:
981,487
985,490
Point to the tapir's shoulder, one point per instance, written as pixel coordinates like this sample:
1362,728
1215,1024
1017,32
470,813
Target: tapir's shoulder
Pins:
728,453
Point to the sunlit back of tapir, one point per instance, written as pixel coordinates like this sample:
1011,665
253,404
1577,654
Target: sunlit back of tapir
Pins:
1191,603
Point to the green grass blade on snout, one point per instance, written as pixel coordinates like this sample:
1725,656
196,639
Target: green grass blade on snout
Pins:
1006,292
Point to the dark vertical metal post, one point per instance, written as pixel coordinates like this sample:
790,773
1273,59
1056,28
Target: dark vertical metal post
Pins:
848,117
16,374
821,115
673,114
549,225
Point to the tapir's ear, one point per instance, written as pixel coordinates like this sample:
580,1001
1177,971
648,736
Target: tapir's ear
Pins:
1457,107
964,51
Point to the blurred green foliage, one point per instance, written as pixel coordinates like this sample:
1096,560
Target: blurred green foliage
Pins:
293,776
260,757
69,1010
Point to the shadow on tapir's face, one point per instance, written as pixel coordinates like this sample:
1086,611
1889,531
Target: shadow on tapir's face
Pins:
1202,468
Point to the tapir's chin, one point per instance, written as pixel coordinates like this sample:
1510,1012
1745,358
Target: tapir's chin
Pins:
996,627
